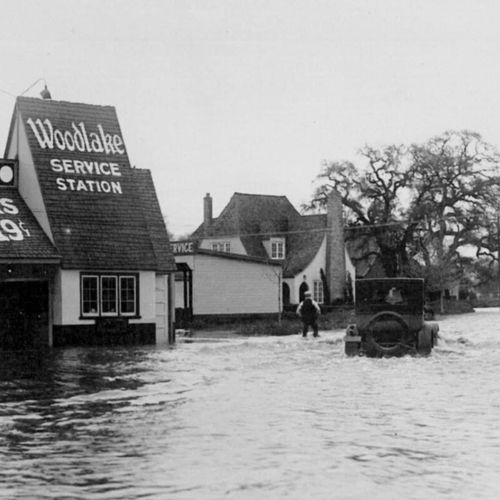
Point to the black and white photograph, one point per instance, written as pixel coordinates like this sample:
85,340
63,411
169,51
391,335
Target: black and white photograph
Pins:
249,250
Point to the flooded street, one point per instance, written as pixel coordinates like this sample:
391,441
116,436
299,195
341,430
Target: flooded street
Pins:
271,417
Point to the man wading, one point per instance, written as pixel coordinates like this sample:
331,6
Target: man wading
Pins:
309,311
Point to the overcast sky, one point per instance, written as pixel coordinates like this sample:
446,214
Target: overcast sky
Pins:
251,95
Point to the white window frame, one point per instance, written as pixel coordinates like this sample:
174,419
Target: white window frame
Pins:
134,289
221,246
118,279
278,248
318,291
114,277
98,298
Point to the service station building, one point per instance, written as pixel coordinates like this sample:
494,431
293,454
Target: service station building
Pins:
84,252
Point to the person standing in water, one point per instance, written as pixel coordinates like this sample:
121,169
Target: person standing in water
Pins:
309,311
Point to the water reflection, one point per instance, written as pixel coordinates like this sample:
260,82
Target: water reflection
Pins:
254,418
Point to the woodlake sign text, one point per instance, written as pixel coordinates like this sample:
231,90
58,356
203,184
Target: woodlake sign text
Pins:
81,174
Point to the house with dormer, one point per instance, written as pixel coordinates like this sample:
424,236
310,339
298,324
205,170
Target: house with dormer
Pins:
309,248
84,252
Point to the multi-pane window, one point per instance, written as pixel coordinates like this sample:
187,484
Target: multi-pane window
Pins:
127,295
318,295
90,295
277,249
221,246
109,295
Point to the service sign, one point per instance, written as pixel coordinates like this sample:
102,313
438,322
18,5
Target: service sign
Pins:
73,148
94,204
183,247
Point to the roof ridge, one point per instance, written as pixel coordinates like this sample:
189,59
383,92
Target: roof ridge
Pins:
260,195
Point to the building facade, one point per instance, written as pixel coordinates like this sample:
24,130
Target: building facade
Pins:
226,285
82,233
310,248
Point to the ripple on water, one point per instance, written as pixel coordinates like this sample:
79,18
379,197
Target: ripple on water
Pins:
268,417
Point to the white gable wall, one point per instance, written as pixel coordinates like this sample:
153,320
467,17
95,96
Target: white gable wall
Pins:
313,272
28,187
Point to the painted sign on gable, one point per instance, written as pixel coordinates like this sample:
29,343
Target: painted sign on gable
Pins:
80,174
12,227
94,204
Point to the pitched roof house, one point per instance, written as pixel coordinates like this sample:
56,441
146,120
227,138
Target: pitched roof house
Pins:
91,219
310,248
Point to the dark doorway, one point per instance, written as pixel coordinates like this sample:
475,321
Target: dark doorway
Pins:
286,294
302,290
184,278
24,314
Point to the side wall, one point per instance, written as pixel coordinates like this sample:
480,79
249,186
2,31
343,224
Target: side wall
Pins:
229,286
29,188
311,272
70,329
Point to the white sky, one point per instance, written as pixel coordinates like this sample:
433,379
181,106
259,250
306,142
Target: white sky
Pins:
251,95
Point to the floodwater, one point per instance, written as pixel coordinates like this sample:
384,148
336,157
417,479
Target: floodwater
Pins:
255,418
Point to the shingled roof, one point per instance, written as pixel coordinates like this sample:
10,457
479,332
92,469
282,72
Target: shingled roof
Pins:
93,227
22,238
256,217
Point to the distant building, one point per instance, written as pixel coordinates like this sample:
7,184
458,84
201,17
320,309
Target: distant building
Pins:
310,248
218,283
84,252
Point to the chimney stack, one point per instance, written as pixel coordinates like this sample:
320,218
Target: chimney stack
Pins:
335,248
207,213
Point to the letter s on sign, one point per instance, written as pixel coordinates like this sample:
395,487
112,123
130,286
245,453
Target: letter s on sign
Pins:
61,185
7,206
55,163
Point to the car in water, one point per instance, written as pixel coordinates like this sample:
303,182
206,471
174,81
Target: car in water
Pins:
390,319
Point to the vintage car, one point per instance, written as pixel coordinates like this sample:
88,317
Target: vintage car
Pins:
390,319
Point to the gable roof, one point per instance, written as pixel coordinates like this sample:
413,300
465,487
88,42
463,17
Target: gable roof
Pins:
102,213
250,214
256,217
22,238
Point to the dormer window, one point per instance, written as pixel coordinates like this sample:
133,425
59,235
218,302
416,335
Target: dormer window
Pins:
277,248
221,246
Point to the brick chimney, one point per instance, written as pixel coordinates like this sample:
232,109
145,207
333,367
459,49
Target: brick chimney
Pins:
207,213
335,248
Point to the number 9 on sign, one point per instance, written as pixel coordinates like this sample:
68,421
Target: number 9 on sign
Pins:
9,230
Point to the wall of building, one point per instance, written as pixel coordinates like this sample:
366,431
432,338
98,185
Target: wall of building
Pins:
67,298
28,185
230,286
312,272
163,309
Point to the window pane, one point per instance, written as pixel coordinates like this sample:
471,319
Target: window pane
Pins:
318,291
108,294
127,295
89,295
